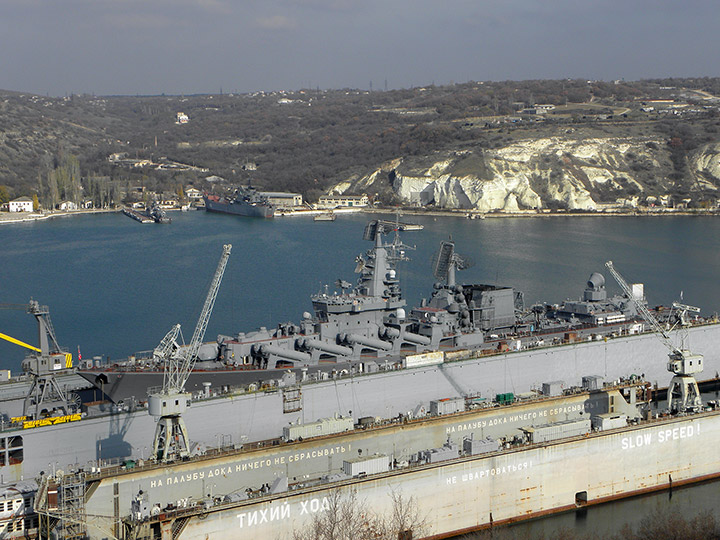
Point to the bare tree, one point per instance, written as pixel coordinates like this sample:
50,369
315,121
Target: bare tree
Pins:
347,518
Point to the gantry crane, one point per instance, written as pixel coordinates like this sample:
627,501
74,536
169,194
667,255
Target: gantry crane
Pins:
170,402
683,392
45,394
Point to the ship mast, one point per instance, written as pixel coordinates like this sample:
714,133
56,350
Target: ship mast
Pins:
171,401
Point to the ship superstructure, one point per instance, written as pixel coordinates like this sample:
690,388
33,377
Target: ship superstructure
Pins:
359,355
361,327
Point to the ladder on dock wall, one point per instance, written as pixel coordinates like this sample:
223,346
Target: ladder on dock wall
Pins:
60,503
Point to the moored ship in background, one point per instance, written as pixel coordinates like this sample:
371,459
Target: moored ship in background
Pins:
245,201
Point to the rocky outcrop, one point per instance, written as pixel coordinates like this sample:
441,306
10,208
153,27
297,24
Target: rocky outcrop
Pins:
570,173
705,166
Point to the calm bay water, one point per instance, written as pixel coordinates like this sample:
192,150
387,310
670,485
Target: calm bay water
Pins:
115,287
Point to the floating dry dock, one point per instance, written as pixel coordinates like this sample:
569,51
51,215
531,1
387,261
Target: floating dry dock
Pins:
466,470
473,492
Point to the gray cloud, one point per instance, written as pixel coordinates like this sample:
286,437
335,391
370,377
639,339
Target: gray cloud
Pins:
276,22
150,46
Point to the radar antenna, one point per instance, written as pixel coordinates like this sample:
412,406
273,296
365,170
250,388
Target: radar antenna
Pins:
682,311
169,403
683,393
344,285
377,226
445,262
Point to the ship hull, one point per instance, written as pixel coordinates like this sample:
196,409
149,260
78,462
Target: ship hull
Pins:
261,415
311,458
456,494
239,208
519,371
474,493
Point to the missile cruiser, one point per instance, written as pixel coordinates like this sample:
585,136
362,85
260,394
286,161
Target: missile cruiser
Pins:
488,460
363,329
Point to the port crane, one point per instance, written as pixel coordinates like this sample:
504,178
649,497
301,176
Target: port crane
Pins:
170,402
683,393
45,394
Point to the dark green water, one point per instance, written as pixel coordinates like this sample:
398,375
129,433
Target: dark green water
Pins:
607,520
115,287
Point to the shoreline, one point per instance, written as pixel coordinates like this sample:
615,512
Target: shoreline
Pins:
464,214
27,217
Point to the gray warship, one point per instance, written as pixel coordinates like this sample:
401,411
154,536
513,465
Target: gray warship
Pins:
246,201
358,330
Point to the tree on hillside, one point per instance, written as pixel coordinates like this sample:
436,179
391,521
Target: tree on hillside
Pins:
53,192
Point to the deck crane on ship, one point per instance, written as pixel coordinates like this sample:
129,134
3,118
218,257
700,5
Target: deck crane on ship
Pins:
170,402
683,393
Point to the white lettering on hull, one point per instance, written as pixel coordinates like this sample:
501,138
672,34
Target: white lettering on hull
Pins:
663,436
521,418
229,470
281,512
479,474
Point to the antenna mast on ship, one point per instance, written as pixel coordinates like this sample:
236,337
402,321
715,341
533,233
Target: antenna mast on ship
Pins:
170,402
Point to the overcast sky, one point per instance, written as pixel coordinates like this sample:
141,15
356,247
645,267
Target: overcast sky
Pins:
58,47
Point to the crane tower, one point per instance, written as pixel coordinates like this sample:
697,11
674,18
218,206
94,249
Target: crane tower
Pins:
683,392
170,402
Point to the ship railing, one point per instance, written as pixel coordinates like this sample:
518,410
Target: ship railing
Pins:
154,390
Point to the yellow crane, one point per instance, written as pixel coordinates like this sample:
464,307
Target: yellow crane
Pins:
45,393
18,342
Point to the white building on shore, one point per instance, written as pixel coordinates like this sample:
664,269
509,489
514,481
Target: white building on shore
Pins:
21,204
340,201
283,200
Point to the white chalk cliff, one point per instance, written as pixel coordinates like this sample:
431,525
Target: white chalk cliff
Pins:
576,174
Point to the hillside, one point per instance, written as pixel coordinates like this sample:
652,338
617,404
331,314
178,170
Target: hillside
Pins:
549,144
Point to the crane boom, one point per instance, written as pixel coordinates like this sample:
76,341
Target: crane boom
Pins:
683,392
642,308
167,345
171,438
18,342
181,366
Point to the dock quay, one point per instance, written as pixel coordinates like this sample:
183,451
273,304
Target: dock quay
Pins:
137,216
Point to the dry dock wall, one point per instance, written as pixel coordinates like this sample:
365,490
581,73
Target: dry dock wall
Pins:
260,416
313,458
517,484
